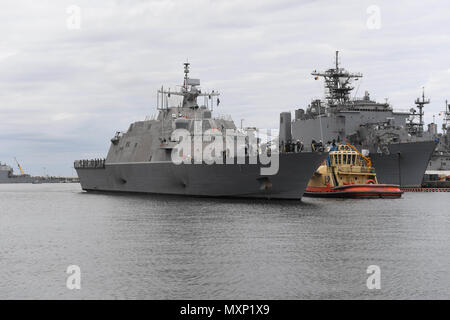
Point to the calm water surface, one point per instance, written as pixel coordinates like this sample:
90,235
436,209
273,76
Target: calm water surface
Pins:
165,247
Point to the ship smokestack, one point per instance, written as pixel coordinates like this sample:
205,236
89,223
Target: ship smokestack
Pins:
285,127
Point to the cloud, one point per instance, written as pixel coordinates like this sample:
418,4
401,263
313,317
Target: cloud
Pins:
64,92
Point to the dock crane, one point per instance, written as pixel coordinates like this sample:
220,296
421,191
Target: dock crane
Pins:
18,165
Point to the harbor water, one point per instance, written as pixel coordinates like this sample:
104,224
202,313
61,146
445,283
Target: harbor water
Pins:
166,247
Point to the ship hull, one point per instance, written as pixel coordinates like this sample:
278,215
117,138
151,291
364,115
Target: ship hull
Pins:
439,162
216,180
356,191
405,164
16,180
5,177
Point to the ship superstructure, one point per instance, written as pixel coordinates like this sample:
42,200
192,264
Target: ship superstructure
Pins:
440,160
398,156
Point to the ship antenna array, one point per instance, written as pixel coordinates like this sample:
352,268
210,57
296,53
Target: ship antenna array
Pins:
446,123
186,74
162,99
337,83
420,103
337,60
189,92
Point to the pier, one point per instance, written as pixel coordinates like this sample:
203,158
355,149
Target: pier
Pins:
406,189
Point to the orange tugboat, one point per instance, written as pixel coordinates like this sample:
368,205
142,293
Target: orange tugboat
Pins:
348,174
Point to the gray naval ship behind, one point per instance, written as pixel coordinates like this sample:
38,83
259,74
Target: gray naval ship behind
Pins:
7,175
440,160
140,160
399,155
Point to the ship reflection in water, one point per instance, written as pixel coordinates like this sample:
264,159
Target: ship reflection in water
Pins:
169,247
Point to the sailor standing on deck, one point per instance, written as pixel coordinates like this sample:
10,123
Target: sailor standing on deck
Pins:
320,147
299,146
331,147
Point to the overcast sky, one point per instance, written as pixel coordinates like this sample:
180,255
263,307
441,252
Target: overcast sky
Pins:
64,90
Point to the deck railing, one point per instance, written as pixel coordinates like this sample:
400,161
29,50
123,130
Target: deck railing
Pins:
89,164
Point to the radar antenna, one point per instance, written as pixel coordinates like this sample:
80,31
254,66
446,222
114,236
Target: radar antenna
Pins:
189,91
337,83
446,123
186,74
420,103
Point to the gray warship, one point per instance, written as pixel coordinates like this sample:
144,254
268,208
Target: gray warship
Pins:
398,156
440,160
7,175
140,160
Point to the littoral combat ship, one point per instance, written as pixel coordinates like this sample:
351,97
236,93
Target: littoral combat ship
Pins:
187,151
398,156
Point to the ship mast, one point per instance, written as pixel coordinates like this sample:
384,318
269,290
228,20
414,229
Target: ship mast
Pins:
446,123
189,91
420,105
337,83
186,73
